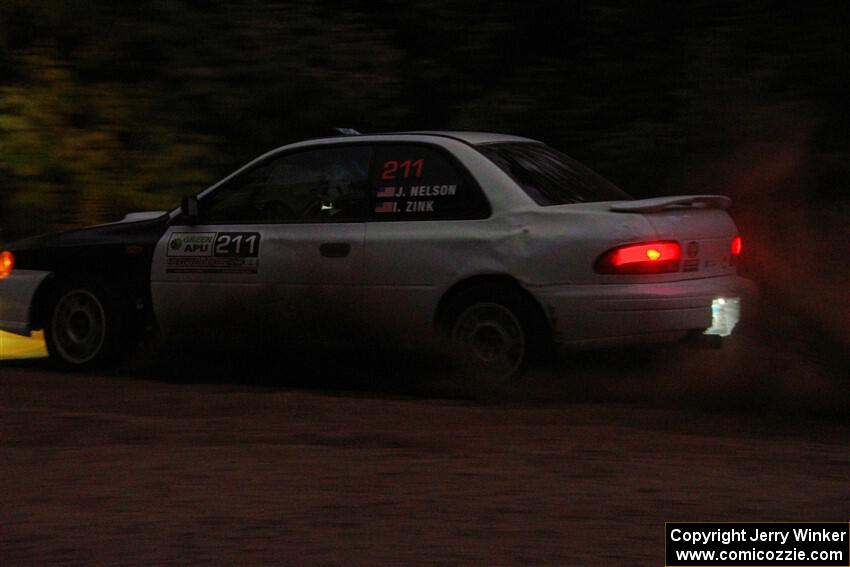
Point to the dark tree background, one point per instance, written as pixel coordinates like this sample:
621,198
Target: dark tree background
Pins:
107,107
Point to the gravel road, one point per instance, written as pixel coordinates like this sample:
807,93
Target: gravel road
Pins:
142,468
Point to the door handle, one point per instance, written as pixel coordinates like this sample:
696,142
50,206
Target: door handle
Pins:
335,249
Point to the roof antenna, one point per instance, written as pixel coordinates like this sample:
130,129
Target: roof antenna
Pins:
346,132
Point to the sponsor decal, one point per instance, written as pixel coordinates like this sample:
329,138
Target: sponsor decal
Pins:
213,252
191,244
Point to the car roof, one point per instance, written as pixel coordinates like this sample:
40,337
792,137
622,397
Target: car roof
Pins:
468,137
472,137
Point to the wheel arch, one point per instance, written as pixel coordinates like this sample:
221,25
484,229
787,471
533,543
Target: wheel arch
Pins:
41,301
449,302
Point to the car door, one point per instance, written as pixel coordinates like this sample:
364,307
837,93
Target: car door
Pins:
277,250
428,228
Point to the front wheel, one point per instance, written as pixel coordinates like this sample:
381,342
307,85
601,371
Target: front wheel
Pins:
83,326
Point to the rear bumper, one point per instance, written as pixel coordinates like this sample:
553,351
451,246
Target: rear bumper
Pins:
615,314
16,295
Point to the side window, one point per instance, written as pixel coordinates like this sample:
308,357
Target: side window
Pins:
416,182
320,185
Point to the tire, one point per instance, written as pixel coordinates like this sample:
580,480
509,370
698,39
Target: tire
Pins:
496,332
85,325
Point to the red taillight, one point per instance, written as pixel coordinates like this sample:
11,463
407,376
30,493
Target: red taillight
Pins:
737,246
645,258
7,261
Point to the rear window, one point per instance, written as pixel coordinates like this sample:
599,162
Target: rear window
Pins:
550,177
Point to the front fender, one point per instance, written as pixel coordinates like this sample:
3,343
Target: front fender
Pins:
16,294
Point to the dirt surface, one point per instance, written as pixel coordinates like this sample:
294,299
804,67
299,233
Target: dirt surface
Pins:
140,467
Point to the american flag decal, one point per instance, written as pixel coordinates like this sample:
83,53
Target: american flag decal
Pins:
386,207
386,192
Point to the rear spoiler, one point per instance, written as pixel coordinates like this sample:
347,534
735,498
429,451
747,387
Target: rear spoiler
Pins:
658,204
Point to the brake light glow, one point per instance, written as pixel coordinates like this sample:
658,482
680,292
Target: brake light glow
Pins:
737,246
7,261
645,258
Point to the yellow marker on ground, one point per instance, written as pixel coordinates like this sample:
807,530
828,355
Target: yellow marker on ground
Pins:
16,346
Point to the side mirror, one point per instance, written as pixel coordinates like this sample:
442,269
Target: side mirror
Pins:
189,209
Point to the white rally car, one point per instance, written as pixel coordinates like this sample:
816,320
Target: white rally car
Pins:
500,244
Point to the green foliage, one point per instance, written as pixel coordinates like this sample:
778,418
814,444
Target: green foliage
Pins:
108,107
108,111
72,155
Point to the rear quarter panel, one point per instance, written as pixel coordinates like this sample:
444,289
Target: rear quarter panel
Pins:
409,265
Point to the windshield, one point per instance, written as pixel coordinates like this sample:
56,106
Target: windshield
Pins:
550,177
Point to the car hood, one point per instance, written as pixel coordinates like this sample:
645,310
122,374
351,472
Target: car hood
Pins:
136,228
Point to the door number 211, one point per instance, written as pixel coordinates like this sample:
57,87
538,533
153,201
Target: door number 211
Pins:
241,244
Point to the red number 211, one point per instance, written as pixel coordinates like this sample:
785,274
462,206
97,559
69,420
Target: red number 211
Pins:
392,167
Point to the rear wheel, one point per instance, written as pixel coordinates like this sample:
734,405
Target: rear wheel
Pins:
496,332
84,326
